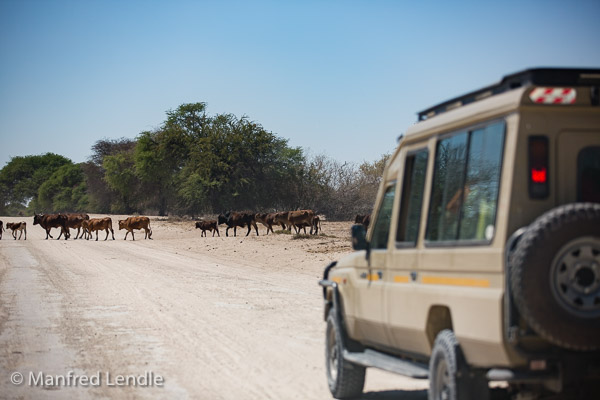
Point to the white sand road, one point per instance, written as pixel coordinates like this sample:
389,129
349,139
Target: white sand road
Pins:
216,318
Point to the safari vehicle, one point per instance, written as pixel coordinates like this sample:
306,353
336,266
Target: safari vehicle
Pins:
482,262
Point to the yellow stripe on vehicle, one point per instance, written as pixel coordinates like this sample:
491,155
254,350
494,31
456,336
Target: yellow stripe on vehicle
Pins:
440,280
401,279
369,277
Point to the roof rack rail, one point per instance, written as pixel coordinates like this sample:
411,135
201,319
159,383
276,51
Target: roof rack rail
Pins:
528,77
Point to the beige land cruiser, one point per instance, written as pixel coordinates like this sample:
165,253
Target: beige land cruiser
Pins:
482,262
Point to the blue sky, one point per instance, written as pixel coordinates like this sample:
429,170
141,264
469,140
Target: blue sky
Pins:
341,78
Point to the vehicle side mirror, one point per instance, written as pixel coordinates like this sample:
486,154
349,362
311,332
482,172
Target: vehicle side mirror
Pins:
359,238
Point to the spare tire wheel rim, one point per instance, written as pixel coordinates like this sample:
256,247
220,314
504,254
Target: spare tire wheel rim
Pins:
575,277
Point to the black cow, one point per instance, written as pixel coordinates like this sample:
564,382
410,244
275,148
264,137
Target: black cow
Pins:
50,221
235,219
1,229
364,220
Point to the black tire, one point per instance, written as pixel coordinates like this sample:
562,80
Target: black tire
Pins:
345,379
555,276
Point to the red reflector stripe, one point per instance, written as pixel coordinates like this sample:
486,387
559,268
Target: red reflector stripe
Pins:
538,175
553,95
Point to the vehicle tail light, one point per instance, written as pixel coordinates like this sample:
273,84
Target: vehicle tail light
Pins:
539,187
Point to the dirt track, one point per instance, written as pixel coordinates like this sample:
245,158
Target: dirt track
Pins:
216,318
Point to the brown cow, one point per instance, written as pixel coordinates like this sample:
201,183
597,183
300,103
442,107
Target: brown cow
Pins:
49,221
17,226
1,229
74,222
316,226
210,225
235,219
282,219
97,224
299,219
132,223
268,220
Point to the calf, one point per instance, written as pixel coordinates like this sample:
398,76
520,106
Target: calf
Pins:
211,226
17,226
98,224
132,223
235,219
50,221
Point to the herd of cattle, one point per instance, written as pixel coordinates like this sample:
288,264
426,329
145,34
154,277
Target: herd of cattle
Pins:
300,219
82,222
286,219
85,225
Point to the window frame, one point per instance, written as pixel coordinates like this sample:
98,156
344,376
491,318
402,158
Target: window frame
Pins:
409,244
469,130
387,186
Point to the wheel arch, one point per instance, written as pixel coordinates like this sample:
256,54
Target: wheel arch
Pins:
439,318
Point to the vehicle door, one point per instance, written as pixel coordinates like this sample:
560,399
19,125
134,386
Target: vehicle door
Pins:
403,266
369,283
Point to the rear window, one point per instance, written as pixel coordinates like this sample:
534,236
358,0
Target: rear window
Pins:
588,175
465,187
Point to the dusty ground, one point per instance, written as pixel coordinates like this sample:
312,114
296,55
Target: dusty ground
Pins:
215,317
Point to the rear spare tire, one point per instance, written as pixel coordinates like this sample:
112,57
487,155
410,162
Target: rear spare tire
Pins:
555,276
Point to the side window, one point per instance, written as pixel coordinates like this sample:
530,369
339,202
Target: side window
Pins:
381,228
446,194
588,175
413,185
482,183
465,185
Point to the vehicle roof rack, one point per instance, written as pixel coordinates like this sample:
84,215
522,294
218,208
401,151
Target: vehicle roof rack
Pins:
528,77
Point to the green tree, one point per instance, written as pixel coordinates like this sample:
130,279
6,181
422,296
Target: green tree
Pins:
21,178
101,197
120,175
64,191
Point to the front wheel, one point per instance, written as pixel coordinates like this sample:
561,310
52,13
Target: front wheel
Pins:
346,380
